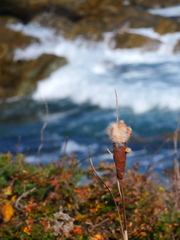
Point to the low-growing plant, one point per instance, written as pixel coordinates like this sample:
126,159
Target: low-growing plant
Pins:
31,197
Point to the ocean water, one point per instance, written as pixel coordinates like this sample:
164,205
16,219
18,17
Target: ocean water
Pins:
78,101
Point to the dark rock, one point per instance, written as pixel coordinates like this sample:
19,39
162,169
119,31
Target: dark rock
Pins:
11,39
153,3
134,17
20,78
130,40
26,9
91,18
62,25
177,47
94,26
23,9
4,20
167,26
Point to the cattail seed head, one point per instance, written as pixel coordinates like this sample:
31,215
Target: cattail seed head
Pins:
119,133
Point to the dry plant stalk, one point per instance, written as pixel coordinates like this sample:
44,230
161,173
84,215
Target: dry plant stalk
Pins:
42,133
120,133
176,178
119,215
17,204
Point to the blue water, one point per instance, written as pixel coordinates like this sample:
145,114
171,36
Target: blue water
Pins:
85,125
81,101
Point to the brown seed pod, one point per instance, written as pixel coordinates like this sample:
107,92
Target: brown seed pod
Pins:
120,133
120,160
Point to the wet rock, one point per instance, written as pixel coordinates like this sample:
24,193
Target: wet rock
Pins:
11,39
25,10
18,78
177,47
89,19
94,26
130,40
60,24
76,10
134,17
89,28
153,3
167,26
4,20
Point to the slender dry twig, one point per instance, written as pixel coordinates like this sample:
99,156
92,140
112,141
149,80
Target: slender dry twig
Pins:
110,152
176,169
65,147
119,133
42,133
121,193
121,183
63,158
152,164
89,156
119,188
99,224
119,216
17,202
117,107
162,159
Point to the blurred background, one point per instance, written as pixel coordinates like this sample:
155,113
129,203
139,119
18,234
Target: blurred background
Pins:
60,63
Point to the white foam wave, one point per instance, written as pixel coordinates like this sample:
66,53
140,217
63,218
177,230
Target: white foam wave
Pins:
73,147
34,30
95,70
173,11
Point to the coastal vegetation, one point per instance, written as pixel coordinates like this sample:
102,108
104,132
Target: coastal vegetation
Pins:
63,201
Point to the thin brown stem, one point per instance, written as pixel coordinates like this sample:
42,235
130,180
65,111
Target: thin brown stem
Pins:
99,224
123,204
119,216
117,108
42,133
176,169
121,193
82,160
65,147
17,203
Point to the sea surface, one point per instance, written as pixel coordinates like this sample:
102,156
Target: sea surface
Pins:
71,110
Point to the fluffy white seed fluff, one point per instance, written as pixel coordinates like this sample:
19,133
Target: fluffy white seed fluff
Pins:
119,132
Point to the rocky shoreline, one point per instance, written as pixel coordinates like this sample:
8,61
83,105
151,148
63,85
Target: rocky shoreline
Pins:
71,19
